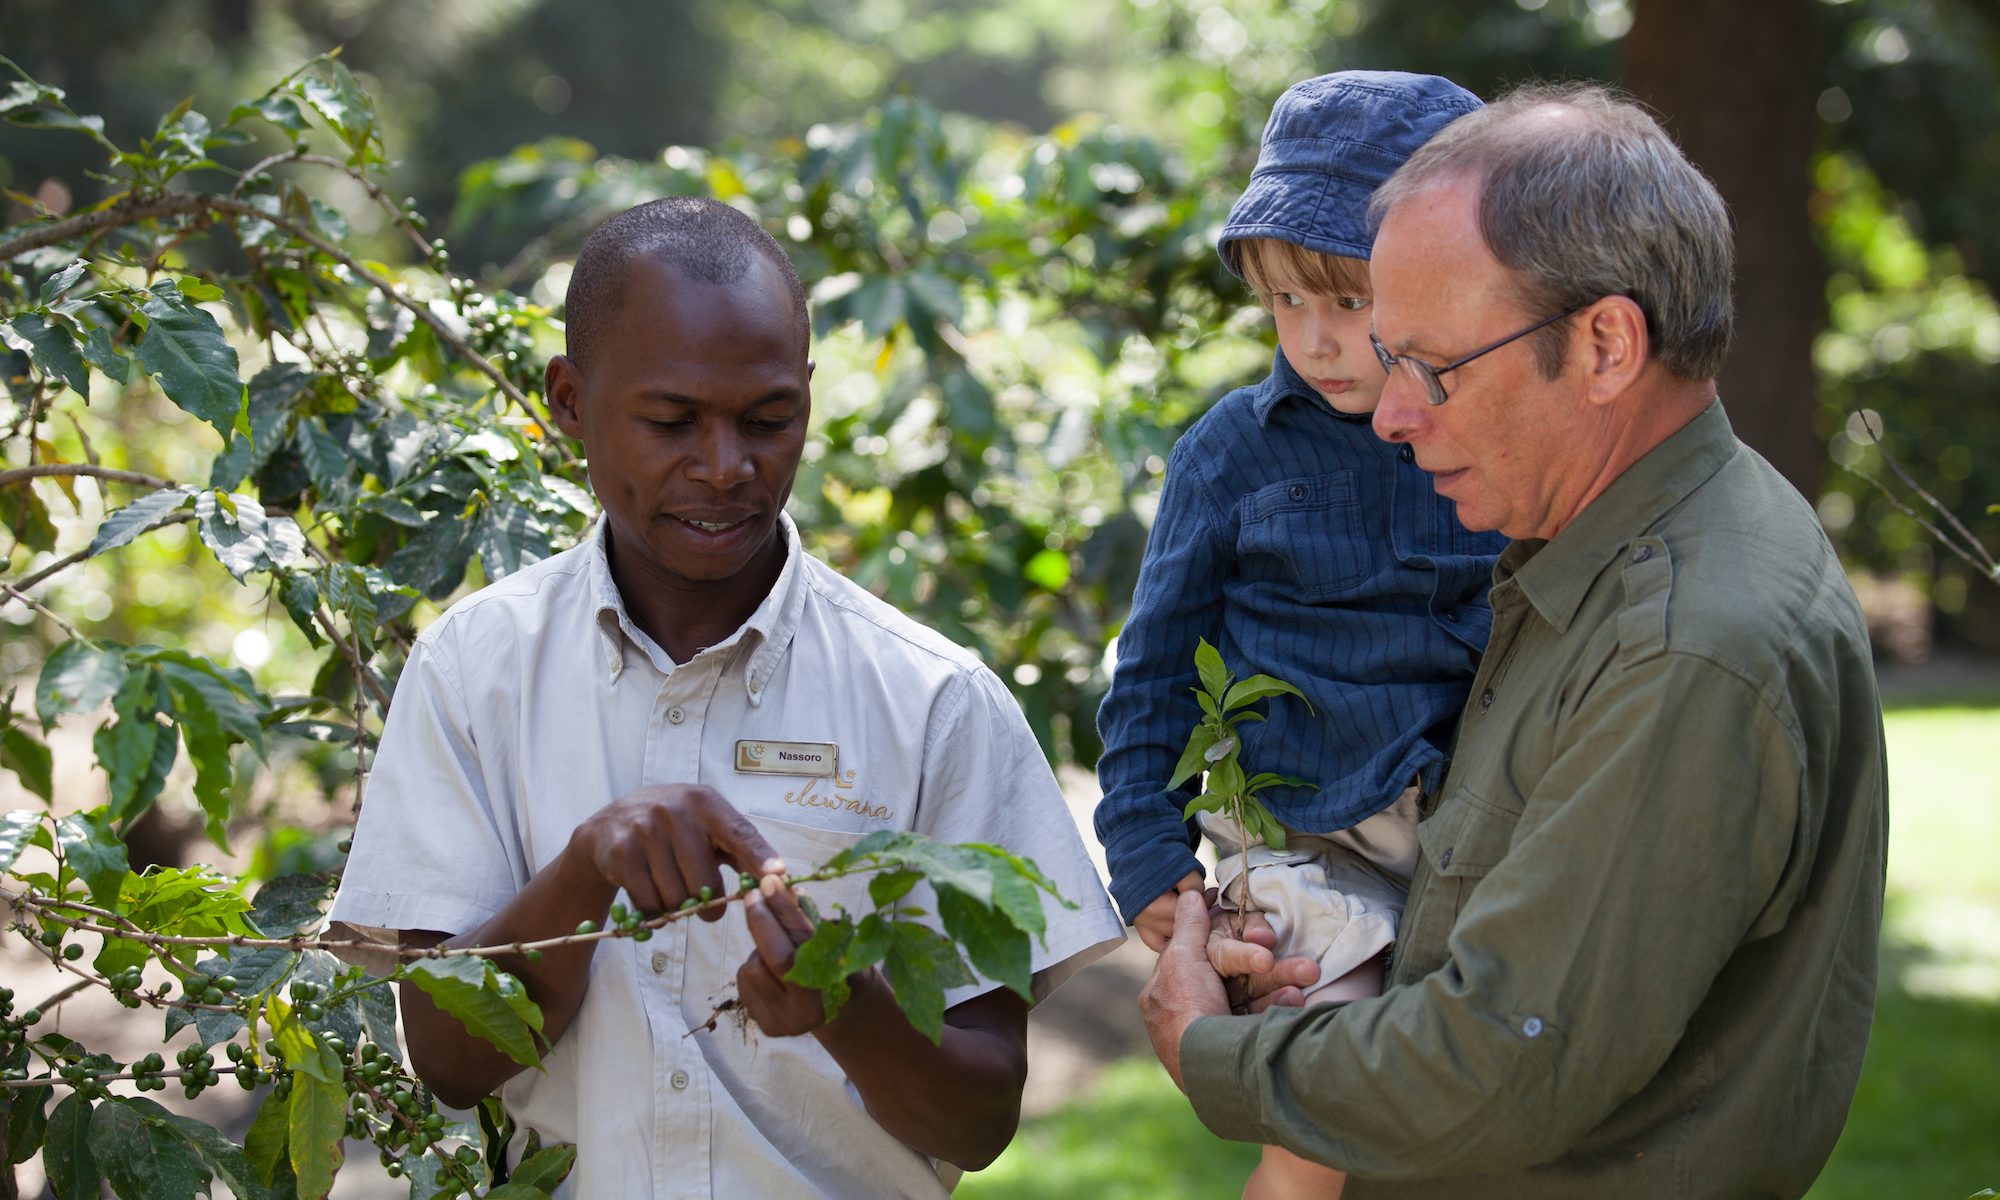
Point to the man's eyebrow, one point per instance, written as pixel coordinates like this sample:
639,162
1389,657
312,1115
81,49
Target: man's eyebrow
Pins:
774,396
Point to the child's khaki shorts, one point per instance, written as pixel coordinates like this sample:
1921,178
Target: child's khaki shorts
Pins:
1333,897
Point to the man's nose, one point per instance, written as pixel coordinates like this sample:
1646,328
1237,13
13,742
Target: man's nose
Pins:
1402,406
723,459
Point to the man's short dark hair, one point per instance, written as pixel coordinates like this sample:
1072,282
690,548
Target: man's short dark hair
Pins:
705,240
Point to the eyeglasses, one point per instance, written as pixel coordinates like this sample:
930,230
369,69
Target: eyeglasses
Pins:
1427,375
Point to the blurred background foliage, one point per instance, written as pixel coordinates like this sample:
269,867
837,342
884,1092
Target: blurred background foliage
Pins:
1007,212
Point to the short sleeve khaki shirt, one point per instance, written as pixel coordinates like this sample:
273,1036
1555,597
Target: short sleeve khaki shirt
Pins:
1639,953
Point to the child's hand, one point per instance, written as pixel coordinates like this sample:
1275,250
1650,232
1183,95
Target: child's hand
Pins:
1155,922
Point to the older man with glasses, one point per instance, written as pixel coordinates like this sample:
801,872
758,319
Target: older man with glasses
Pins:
1639,953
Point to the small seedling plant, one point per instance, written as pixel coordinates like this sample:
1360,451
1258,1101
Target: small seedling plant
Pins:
1215,746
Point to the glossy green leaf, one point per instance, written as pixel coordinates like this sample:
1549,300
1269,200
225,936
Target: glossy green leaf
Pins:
464,987
1257,687
100,351
244,539
17,830
545,1168
264,1146
921,964
61,281
989,938
94,853
66,1155
148,512
317,1119
1194,759
887,887
377,1003
30,760
140,1159
27,1119
224,1158
1208,665
290,904
195,363
821,963
52,350
78,677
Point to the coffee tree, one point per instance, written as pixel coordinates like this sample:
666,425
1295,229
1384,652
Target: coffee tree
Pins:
215,371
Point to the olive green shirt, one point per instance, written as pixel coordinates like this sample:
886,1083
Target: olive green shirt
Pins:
1639,952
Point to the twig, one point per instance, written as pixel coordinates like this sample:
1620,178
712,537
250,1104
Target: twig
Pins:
59,1081
16,475
14,593
71,560
350,651
191,203
1988,569
64,994
1989,566
46,907
373,189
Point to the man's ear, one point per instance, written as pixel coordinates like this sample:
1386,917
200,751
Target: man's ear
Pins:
562,385
1616,346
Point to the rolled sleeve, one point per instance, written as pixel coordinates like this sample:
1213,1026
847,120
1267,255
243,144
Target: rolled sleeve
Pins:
1661,837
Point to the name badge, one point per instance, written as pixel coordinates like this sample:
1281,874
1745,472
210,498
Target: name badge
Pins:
788,758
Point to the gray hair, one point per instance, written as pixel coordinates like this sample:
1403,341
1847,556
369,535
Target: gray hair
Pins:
1583,195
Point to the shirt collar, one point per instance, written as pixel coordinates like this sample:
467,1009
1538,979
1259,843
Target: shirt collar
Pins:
768,631
1555,575
1285,383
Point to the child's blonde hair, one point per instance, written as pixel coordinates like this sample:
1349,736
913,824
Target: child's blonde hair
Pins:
1258,259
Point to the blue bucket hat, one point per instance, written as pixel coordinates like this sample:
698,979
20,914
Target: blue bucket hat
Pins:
1329,144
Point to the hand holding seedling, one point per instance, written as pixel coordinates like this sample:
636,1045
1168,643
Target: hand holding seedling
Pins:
1215,747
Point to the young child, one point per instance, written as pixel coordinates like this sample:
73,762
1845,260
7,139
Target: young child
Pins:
1304,547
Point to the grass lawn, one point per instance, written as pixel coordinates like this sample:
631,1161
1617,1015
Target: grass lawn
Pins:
1925,1123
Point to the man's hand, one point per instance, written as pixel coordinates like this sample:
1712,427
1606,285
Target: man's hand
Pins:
664,844
779,927
1183,986
1155,922
1256,979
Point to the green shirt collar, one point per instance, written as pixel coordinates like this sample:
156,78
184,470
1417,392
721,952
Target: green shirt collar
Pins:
1555,575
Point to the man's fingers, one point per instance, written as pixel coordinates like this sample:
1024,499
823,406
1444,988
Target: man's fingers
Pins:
1190,921
1232,956
696,860
784,905
1284,997
738,841
774,946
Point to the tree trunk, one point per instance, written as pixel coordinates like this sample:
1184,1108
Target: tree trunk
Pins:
1735,84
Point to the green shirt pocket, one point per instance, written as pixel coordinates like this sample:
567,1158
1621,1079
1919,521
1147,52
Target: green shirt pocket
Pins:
1459,844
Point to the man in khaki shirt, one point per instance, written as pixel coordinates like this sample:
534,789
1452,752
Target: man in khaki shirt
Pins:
1639,954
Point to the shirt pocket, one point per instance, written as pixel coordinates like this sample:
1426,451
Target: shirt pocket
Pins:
1301,534
1458,846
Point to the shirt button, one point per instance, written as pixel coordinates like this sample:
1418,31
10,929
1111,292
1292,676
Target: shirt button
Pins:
1486,699
659,963
1641,553
1532,1027
1407,454
1451,614
1444,860
676,715
1298,493
679,1079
